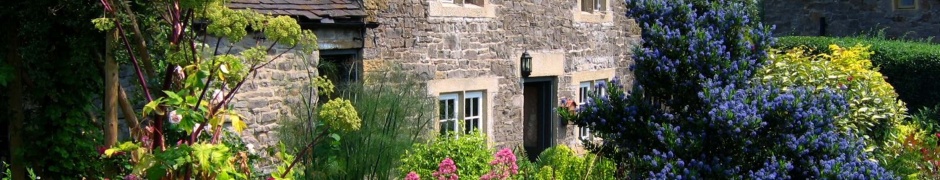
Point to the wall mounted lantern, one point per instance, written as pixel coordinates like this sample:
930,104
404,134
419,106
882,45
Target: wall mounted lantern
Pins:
525,64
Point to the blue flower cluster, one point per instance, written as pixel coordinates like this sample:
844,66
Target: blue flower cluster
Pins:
694,112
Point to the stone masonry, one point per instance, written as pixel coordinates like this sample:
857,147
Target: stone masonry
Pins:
856,17
435,47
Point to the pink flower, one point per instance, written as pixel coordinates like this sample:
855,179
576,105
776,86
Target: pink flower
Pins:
447,169
174,118
131,177
504,165
412,176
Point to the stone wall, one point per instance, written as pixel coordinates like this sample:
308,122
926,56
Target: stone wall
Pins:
454,47
263,99
856,17
271,96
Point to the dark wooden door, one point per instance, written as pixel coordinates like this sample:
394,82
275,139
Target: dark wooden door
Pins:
538,116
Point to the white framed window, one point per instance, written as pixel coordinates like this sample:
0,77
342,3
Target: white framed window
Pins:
594,5
447,116
585,88
905,4
474,2
473,111
461,112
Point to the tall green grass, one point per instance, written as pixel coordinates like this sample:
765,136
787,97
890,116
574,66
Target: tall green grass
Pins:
395,112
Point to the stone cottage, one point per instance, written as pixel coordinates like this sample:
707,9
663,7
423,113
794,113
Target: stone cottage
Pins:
467,52
909,19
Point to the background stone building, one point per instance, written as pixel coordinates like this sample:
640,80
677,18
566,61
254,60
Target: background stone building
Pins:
910,19
468,54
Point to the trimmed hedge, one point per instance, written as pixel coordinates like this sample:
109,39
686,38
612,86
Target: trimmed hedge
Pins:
913,68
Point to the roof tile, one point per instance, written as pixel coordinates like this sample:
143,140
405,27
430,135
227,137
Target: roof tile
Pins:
312,9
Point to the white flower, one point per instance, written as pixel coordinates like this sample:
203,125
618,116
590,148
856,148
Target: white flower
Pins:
251,148
174,118
223,68
179,72
207,128
217,97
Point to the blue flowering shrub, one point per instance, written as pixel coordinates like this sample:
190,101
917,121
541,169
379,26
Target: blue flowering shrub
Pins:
696,111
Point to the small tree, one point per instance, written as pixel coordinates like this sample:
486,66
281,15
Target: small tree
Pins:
198,83
695,113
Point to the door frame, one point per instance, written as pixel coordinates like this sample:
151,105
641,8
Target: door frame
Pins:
552,95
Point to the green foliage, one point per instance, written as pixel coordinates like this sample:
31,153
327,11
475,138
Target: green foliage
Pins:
904,156
103,24
561,163
340,115
324,85
197,95
928,119
6,73
393,113
254,55
215,161
6,175
286,159
914,151
873,104
57,45
913,68
283,29
469,152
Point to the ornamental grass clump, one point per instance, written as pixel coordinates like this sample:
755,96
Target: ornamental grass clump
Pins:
696,112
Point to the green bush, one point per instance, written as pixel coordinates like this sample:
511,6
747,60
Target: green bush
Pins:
913,68
874,107
915,152
469,152
561,163
904,158
928,118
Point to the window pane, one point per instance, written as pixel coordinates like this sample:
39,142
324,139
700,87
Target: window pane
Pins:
584,89
446,126
470,125
452,109
587,5
473,116
475,106
442,110
907,3
467,127
467,108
